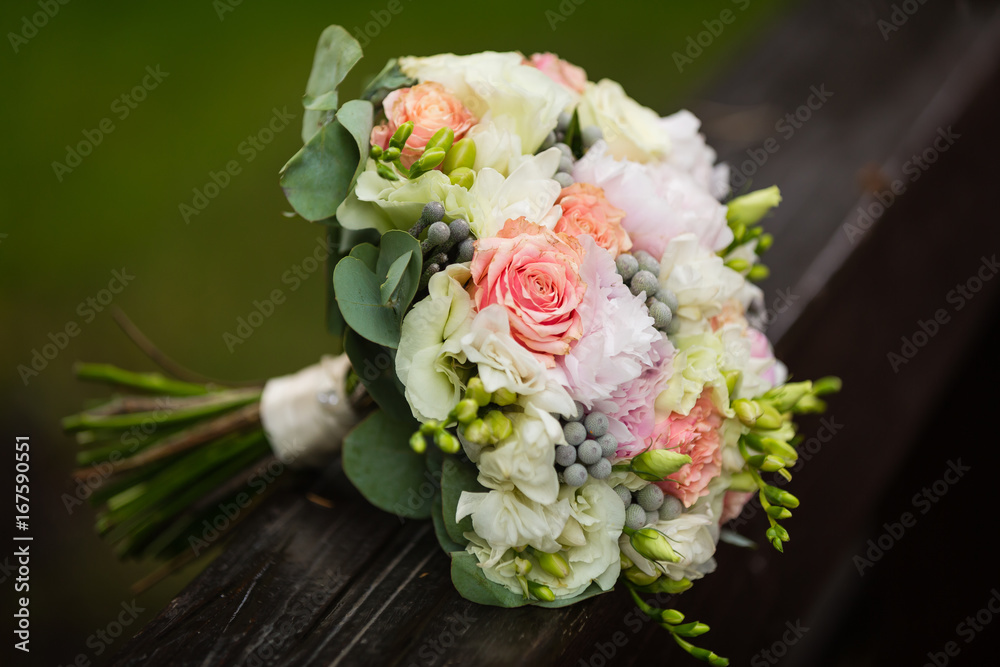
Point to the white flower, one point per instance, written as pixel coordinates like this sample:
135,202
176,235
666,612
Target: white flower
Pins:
492,85
689,153
660,201
631,130
699,278
756,372
526,459
697,365
429,345
498,146
507,519
503,363
529,191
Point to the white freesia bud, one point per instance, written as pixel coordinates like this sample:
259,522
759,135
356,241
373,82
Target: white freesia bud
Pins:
307,414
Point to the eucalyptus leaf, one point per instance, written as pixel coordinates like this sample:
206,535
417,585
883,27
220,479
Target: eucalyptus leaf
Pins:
375,366
457,476
389,79
320,175
447,545
360,301
367,253
393,276
379,462
334,319
472,584
394,244
337,52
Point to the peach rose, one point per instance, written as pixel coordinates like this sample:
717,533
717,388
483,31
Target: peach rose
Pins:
535,274
585,210
430,106
696,435
560,71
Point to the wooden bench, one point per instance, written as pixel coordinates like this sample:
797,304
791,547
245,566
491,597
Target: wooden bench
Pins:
300,583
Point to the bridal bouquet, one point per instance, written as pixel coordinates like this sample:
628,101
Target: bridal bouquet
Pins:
545,307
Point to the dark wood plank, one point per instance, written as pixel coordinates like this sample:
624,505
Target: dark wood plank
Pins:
300,584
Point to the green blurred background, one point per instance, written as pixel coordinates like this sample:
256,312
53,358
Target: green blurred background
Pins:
228,66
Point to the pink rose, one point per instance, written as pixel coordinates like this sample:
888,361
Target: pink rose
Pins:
585,210
535,274
696,435
560,71
430,106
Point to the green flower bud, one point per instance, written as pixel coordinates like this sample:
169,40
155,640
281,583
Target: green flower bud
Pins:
625,561
375,152
463,177
732,377
810,405
441,140
764,243
747,411
430,426
640,578
465,411
691,629
477,432
522,565
446,442
779,448
766,462
779,512
653,544
830,384
418,442
785,397
543,593
669,586
739,231
402,133
386,172
428,161
504,396
769,419
738,264
498,424
751,207
758,272
554,564
742,481
461,156
781,497
477,392
671,616
655,465
390,154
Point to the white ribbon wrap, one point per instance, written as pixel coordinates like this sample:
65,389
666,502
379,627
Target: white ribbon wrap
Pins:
307,414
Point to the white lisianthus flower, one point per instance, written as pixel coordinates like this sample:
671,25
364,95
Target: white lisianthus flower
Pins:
529,192
503,363
690,154
631,130
526,459
494,84
697,365
429,348
755,372
700,279
507,518
498,146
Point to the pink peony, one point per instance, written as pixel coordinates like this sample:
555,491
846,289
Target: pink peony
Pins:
733,503
430,106
535,274
585,210
696,435
636,400
560,71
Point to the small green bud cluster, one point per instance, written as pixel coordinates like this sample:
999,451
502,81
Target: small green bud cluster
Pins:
743,215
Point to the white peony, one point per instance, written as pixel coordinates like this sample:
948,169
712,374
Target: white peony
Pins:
631,130
429,349
689,153
492,85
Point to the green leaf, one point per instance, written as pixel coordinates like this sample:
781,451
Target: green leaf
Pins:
472,584
318,177
334,320
379,462
336,54
393,276
456,477
367,253
376,367
360,301
386,81
394,244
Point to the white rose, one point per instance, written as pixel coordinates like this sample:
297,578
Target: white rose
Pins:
492,85
429,346
631,130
